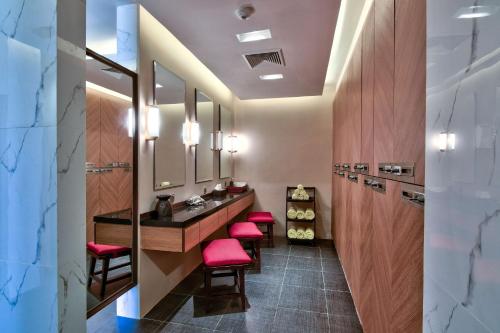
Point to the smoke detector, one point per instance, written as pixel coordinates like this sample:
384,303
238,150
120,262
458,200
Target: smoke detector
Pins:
245,11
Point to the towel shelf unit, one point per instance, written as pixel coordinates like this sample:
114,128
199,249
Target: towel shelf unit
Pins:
303,204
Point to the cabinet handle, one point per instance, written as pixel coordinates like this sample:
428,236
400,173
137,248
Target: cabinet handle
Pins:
413,197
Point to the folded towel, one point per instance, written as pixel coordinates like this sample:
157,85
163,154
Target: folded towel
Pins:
300,187
301,233
291,214
309,214
292,233
309,234
300,214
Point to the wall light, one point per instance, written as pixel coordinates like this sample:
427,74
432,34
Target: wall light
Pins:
233,144
131,122
153,123
191,133
254,36
446,141
216,141
473,12
271,77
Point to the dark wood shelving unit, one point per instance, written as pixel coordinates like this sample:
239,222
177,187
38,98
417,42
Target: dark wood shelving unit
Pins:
311,191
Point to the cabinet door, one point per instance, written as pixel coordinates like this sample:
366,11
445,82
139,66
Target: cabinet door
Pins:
93,204
110,124
383,111
409,85
382,255
368,75
356,190
354,111
407,263
366,304
93,128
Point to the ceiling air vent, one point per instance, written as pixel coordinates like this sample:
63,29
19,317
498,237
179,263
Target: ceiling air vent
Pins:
273,56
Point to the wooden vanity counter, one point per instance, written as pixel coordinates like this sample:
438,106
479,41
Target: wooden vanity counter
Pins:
191,225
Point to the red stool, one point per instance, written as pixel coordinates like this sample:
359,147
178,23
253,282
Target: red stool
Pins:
248,232
223,255
263,219
106,253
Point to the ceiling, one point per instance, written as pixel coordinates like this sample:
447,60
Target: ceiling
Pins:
302,29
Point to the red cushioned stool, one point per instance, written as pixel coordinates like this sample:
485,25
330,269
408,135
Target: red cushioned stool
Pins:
264,219
248,233
225,255
106,253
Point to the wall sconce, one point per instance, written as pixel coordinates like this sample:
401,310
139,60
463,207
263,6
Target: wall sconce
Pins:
131,122
217,141
233,144
446,141
153,123
191,133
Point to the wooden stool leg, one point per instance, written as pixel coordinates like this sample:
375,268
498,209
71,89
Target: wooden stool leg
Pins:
105,270
235,276
257,254
242,288
208,282
270,231
91,271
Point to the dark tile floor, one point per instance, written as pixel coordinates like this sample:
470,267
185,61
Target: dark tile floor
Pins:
299,289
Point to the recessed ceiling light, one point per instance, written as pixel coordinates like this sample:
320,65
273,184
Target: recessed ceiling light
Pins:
253,36
159,85
473,12
271,77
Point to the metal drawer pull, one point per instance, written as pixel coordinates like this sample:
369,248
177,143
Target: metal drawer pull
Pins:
341,173
337,166
361,167
346,166
368,182
413,197
353,177
402,170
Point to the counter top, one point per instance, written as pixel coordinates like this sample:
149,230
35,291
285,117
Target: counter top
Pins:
119,217
185,215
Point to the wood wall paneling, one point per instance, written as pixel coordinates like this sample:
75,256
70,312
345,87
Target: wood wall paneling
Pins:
93,204
383,111
110,119
356,190
409,85
93,127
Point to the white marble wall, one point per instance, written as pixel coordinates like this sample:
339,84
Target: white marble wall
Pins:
462,217
41,183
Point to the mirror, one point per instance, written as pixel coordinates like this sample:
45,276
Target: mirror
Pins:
204,158
225,158
169,151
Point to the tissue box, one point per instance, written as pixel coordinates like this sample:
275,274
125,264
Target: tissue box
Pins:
219,193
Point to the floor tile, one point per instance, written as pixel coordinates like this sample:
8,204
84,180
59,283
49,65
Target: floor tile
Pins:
260,294
295,321
255,319
329,253
332,265
313,264
273,260
267,274
190,285
305,251
303,278
345,324
180,328
340,303
195,312
127,325
165,309
325,243
300,298
280,247
335,281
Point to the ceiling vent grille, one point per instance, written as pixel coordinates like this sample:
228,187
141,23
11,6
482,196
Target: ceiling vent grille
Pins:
274,57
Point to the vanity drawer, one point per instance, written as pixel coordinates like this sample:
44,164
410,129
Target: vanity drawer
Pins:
113,234
239,206
222,214
208,226
162,239
191,236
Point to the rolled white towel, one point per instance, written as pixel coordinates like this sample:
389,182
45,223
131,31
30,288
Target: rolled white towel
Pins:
300,214
309,214
301,233
300,187
305,197
295,196
292,233
291,214
309,234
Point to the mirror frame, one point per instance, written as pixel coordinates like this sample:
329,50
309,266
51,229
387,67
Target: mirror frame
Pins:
162,188
135,187
196,181
220,152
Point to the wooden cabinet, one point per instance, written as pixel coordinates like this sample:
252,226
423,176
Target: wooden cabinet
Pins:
409,85
236,208
208,226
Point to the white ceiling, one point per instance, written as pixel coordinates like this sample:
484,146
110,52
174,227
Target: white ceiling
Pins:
303,29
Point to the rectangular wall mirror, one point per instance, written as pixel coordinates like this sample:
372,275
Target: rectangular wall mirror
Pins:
169,151
204,159
225,157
